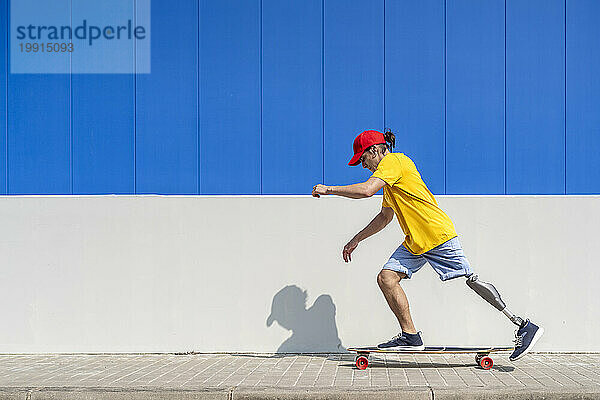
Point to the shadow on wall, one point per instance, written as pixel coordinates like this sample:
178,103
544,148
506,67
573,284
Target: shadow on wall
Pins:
313,329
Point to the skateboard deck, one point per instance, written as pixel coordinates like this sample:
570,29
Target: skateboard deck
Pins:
481,353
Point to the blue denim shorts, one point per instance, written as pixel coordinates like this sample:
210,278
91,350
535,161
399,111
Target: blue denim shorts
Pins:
447,259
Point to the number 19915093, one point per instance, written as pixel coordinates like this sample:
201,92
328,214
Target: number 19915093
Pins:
46,47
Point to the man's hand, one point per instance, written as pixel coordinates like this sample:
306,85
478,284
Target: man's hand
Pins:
318,190
348,249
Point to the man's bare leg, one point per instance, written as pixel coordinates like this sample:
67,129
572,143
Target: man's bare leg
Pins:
389,283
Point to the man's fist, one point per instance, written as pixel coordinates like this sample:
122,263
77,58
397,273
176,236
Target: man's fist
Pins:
318,190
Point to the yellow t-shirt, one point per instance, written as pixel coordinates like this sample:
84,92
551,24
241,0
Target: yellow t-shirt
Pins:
423,222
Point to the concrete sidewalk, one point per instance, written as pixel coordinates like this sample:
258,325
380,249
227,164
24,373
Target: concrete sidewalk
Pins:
278,376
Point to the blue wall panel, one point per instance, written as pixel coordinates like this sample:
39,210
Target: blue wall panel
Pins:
39,134
583,96
103,134
39,124
292,140
475,97
103,115
230,96
3,102
414,84
167,103
353,65
535,97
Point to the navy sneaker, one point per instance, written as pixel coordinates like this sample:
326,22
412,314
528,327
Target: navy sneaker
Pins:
525,338
404,341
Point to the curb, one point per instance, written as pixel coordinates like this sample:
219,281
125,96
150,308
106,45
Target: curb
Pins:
516,394
113,393
418,393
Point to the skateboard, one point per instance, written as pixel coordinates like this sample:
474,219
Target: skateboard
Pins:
482,357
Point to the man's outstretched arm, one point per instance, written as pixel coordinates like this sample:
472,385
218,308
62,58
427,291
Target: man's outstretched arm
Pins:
356,191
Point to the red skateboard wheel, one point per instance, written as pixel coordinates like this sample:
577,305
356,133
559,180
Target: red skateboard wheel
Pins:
486,363
362,362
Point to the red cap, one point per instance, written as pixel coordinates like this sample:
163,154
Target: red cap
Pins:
363,142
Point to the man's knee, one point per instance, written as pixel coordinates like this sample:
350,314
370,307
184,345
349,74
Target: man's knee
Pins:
387,279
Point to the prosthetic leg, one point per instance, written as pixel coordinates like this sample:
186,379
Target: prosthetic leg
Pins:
491,295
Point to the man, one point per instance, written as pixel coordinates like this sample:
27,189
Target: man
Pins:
430,237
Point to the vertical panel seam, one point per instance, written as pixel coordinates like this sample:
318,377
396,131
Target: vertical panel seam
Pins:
72,159
135,189
445,101
323,91
261,96
505,100
565,96
198,104
7,44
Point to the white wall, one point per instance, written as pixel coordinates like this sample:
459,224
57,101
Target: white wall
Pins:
167,274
